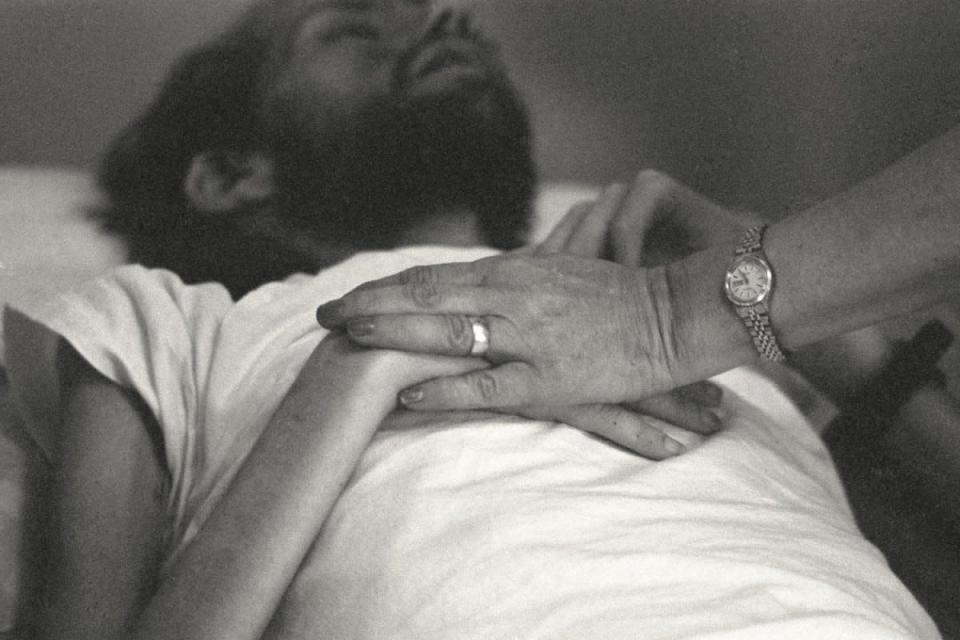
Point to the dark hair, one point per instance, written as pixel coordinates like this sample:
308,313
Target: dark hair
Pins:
211,102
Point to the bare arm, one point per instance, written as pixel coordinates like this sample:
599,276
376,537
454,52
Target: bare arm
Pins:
887,246
575,330
229,581
110,502
108,494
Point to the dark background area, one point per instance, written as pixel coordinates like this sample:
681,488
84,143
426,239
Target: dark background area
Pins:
765,104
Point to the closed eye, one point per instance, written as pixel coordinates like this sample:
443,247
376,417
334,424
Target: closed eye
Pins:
347,30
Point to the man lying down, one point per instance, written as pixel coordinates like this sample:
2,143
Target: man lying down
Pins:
225,469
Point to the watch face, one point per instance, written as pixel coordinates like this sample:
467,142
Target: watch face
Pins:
749,281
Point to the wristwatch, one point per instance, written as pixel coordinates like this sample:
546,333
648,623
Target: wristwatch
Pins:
749,286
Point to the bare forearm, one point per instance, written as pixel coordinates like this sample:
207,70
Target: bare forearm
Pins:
229,581
887,246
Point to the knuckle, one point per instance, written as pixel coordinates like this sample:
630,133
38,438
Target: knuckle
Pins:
426,295
418,275
623,225
489,270
498,273
458,334
620,186
486,386
580,206
608,415
653,181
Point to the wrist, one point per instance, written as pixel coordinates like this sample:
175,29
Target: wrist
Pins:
339,384
710,335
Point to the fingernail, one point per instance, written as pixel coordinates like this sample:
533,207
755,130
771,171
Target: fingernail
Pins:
712,419
672,446
411,396
361,327
327,311
714,395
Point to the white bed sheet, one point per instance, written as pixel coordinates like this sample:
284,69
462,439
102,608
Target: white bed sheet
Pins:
486,527
511,529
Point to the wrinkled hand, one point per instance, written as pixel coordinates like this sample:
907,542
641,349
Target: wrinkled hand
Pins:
657,220
563,329
654,221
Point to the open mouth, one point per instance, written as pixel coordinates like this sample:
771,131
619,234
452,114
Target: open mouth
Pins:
445,57
443,63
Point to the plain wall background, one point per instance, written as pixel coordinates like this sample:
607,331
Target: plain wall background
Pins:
767,104
771,104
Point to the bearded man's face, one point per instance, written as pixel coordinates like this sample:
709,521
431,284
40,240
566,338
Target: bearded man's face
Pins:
382,113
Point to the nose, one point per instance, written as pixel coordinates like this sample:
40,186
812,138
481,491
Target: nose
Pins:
364,5
406,20
451,20
351,5
402,21
378,5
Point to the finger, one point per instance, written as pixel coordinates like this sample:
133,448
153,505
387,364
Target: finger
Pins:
414,298
663,220
744,218
525,250
612,422
640,208
468,273
679,411
440,334
704,393
590,238
558,238
506,385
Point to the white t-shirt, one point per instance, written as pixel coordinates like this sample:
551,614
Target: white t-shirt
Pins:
480,527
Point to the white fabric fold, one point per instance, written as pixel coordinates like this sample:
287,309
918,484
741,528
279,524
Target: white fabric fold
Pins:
480,526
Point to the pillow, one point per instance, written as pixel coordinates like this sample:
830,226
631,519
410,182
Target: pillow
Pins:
47,243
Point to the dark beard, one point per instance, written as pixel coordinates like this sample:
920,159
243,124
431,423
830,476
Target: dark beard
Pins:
401,160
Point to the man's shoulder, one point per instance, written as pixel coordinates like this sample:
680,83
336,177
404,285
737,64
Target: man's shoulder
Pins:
372,265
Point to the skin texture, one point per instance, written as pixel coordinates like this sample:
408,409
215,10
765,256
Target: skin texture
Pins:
229,581
888,246
110,492
310,129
